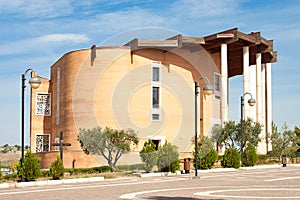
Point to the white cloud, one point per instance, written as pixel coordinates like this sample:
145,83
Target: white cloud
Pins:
36,8
127,20
32,45
204,8
74,38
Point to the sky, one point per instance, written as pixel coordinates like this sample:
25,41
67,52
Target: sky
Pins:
36,33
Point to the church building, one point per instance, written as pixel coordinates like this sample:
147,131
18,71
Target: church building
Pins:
150,86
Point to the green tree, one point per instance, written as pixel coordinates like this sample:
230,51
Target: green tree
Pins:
285,142
149,155
167,160
57,169
31,168
250,155
237,135
226,135
108,142
248,131
207,155
231,158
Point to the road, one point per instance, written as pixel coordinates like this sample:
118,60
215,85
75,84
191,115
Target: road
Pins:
266,183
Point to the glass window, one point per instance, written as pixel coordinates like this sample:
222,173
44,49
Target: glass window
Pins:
155,116
155,74
42,143
155,97
217,82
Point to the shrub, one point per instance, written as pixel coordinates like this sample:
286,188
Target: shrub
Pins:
30,170
250,156
140,166
149,155
207,155
231,158
76,171
167,160
57,169
0,169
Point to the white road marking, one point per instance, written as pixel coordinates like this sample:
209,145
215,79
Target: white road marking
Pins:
211,193
34,190
284,178
134,194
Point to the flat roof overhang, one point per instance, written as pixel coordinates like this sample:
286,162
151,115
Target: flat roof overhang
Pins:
234,39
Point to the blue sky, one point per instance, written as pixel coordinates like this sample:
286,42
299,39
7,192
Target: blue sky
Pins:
35,33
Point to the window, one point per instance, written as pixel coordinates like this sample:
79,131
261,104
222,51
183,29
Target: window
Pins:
42,143
155,97
217,82
155,74
217,86
43,104
155,117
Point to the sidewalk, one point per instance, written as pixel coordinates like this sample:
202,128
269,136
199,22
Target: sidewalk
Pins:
142,175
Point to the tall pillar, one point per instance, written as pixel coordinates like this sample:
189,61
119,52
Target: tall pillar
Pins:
262,145
246,78
259,93
268,104
224,83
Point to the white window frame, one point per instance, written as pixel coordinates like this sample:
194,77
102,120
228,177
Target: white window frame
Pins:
44,104
156,111
217,93
35,143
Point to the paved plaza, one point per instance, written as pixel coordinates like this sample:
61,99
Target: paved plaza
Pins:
271,182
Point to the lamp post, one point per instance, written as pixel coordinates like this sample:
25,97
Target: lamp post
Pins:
251,102
34,82
208,90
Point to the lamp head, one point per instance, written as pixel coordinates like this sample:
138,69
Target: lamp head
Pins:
34,82
208,89
251,102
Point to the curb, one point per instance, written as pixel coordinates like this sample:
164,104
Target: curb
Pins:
50,182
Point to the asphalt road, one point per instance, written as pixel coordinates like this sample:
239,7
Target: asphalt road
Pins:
263,183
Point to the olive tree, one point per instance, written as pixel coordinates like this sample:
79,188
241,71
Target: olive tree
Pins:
109,143
284,142
237,135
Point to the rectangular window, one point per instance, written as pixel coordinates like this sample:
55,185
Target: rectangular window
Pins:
155,74
42,143
217,82
155,117
43,104
155,97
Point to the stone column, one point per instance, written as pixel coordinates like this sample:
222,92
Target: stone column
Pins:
259,93
269,111
224,83
246,78
262,146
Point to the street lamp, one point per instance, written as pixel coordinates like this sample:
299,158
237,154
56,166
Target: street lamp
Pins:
34,82
251,102
208,90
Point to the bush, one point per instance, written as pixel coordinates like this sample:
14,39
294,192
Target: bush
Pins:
207,155
167,160
149,155
76,171
0,169
231,158
250,156
140,166
30,170
57,169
